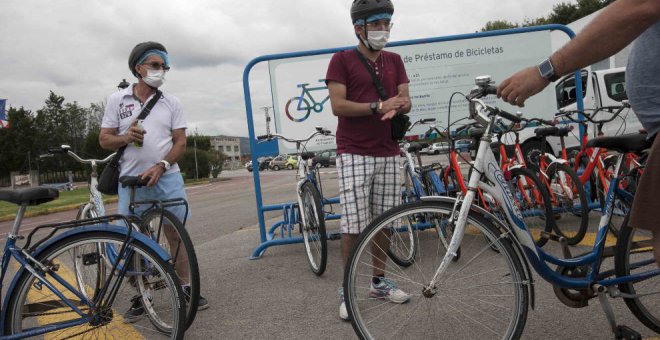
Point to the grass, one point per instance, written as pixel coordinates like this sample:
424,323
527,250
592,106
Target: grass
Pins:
68,200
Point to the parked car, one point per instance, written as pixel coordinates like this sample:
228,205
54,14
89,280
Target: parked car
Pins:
325,158
283,161
263,163
437,148
462,145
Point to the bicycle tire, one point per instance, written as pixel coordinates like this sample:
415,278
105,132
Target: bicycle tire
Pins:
313,228
27,294
638,242
150,223
568,191
447,316
533,200
291,116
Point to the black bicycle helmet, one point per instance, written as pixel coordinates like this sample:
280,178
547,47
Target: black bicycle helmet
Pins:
139,50
362,9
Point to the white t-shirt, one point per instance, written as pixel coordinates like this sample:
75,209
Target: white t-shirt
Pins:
123,108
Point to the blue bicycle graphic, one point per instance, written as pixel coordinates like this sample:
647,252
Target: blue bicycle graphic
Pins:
303,107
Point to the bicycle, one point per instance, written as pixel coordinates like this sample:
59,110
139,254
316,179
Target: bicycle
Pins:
303,106
419,181
310,202
67,287
486,294
160,224
530,195
594,167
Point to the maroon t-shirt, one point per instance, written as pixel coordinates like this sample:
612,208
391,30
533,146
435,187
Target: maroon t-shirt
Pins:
368,135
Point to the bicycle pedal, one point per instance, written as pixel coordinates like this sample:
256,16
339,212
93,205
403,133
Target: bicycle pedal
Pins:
626,333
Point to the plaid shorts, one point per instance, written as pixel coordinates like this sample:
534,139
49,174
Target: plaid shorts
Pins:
368,186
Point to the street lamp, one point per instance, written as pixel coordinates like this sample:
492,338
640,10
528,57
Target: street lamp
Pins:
123,84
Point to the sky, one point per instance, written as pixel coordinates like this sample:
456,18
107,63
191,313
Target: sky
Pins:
79,49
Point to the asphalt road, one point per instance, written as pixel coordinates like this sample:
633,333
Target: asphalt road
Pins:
278,297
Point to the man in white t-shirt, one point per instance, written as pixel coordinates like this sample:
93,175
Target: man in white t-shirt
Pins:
153,146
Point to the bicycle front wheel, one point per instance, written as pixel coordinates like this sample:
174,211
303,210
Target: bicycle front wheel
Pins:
168,231
113,312
634,255
313,228
483,295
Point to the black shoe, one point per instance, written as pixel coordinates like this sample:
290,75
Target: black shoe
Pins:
137,309
203,303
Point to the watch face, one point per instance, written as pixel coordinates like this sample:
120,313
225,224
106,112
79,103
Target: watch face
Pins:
546,69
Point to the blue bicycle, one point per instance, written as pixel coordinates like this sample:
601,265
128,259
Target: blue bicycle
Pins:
301,106
487,292
66,287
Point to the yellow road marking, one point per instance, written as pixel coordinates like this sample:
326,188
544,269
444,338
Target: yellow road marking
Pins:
120,329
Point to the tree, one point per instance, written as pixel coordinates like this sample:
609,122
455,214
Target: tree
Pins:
18,141
203,142
216,161
563,13
187,163
498,25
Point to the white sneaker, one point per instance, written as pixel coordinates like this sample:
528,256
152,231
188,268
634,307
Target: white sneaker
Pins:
387,289
343,313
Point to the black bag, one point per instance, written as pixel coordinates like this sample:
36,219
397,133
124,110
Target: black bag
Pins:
400,122
109,179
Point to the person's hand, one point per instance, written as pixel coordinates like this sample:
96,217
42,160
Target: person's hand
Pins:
135,133
393,105
516,89
153,173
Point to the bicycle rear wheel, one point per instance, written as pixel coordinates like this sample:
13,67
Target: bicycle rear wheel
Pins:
170,233
533,201
482,295
634,255
313,228
569,202
32,304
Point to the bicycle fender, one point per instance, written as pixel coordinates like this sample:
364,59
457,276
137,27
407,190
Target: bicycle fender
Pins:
119,230
554,159
516,166
517,247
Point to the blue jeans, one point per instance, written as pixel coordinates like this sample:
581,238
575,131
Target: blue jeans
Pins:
169,186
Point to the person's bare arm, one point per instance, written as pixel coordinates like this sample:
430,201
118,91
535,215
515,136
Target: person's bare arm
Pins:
616,27
404,94
346,108
177,151
110,140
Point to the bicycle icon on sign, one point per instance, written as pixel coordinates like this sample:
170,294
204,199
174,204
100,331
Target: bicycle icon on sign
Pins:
302,107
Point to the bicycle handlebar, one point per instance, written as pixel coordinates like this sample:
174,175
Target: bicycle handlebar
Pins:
65,149
590,117
319,131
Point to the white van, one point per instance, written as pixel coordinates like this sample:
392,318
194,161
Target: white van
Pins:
599,89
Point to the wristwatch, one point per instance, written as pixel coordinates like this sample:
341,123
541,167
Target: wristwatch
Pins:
165,164
374,107
547,71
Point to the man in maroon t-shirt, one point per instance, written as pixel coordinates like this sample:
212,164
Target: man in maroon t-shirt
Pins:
368,158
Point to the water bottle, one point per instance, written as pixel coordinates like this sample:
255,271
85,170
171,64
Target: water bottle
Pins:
139,126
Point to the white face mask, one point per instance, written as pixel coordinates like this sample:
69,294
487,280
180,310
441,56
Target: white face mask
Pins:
377,40
154,78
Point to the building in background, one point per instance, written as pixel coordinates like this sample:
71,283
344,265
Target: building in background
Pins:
234,148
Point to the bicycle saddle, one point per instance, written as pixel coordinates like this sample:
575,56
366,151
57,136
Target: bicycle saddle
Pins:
29,196
627,143
552,131
133,181
416,146
306,155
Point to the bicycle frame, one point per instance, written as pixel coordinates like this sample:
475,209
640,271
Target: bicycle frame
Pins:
486,164
26,260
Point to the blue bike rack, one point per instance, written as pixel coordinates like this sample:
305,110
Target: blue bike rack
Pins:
270,237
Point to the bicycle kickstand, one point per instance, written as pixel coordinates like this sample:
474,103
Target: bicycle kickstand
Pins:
621,332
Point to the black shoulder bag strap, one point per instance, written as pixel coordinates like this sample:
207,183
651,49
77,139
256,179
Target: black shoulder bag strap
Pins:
379,86
143,114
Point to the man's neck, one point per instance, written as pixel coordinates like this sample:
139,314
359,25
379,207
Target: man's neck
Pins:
368,53
142,91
